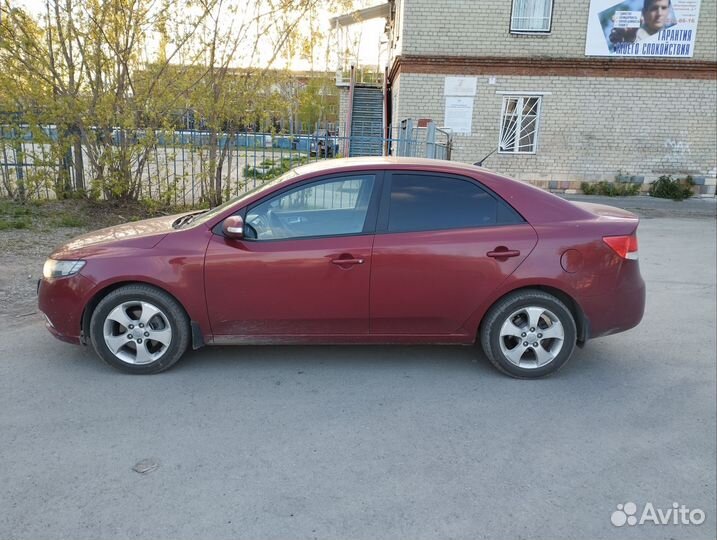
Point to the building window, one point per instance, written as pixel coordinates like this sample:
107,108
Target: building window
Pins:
531,16
519,124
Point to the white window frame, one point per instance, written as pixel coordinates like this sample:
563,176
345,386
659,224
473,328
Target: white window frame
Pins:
514,30
519,123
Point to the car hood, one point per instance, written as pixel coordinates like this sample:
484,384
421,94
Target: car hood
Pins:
143,234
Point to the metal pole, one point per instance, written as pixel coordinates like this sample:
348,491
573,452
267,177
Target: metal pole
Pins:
431,140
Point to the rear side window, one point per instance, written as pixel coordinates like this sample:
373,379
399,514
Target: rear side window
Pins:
433,202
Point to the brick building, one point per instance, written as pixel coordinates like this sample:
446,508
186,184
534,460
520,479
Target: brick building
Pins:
521,79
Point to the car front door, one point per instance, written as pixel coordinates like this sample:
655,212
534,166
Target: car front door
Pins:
303,266
443,243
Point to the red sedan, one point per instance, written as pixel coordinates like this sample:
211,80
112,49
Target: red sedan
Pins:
367,250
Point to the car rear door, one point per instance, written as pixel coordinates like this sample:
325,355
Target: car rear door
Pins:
303,267
443,243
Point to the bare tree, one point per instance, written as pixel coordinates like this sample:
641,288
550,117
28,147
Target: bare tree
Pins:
108,73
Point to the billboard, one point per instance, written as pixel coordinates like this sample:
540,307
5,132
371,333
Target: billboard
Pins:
642,28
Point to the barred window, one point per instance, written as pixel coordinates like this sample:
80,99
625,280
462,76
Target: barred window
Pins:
531,15
519,124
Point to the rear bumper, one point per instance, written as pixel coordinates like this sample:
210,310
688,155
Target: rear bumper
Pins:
62,301
616,312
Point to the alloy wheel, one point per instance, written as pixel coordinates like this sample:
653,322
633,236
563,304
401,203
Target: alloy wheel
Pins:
531,337
137,332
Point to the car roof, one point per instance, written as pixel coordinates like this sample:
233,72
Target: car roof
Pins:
387,163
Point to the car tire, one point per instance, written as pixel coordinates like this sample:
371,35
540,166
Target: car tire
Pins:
139,329
528,334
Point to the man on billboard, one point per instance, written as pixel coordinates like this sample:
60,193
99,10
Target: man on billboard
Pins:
655,17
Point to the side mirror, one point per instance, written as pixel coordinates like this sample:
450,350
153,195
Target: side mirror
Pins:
233,227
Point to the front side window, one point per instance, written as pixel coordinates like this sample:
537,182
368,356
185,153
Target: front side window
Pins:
430,202
519,124
331,207
531,16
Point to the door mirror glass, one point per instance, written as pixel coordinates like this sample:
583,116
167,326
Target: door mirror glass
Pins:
233,227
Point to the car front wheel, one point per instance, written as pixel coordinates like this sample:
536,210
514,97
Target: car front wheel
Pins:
528,334
139,329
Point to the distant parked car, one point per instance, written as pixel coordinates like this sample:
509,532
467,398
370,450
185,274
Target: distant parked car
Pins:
367,250
323,144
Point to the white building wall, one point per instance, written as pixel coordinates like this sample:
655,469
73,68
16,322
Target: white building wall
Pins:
590,128
482,28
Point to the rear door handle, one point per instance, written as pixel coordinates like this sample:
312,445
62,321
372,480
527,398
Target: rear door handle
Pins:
503,253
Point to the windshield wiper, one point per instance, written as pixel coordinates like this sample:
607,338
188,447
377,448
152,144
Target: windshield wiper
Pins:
184,220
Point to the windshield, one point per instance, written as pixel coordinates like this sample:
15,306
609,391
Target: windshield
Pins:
209,214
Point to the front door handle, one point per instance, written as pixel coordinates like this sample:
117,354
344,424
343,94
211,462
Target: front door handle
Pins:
347,261
502,252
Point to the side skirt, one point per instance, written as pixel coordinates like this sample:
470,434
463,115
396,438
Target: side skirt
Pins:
342,339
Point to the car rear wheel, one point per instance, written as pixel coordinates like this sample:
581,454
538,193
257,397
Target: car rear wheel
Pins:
528,334
139,329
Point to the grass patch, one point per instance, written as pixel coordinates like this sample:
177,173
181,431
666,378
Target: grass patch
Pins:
270,169
70,220
13,223
7,224
15,215
77,213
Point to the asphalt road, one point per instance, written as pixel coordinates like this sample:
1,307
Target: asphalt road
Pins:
374,442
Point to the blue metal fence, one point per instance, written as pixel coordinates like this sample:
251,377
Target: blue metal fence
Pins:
173,166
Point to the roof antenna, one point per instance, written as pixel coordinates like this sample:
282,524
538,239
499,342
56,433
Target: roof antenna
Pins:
480,163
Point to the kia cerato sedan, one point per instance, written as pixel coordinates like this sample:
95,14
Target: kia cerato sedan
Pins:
367,250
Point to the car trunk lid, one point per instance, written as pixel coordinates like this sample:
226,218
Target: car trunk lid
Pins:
612,220
608,212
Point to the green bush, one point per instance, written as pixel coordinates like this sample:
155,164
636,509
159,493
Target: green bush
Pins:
668,188
610,189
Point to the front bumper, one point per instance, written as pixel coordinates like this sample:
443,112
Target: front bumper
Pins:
62,301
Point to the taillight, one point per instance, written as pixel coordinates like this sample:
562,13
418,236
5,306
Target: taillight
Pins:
624,246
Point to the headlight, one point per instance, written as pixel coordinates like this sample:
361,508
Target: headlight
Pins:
54,269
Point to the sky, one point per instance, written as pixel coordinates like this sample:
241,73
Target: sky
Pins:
368,36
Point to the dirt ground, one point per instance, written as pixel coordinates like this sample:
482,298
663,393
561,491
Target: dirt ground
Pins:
30,232
22,253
